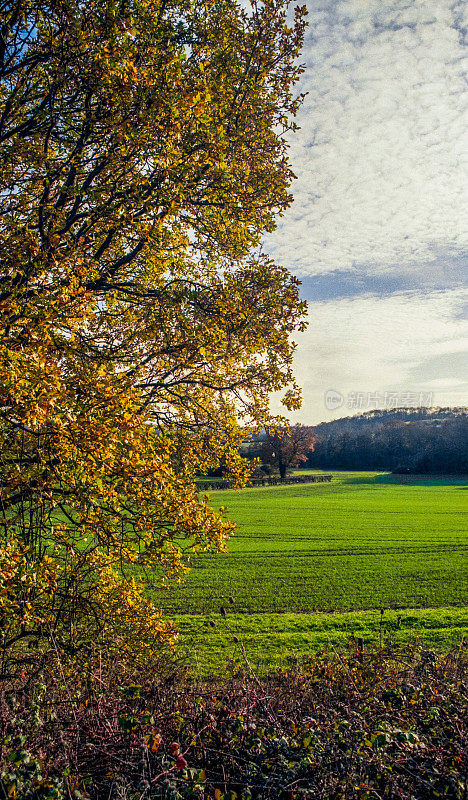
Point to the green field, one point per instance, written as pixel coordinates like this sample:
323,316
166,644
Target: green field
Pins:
305,556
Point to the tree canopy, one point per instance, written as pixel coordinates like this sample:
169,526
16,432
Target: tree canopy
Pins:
287,447
143,158
407,440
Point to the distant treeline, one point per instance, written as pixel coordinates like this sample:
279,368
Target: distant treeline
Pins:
422,440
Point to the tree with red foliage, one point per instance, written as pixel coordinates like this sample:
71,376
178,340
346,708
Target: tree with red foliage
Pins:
287,447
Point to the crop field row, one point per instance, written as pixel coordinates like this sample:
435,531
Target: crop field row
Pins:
358,544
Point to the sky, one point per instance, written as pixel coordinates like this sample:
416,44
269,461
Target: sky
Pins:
378,231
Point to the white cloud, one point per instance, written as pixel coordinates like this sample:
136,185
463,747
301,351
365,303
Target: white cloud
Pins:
405,342
381,158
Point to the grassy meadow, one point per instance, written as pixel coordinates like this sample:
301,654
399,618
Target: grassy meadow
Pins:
312,565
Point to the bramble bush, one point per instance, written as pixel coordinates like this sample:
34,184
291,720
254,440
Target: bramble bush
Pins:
365,725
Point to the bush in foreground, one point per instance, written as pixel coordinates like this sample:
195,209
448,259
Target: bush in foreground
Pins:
365,726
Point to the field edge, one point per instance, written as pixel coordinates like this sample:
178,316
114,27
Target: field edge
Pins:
216,644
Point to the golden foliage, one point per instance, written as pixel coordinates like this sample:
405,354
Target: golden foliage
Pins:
143,157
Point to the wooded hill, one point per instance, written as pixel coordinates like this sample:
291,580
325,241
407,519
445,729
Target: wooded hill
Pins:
418,440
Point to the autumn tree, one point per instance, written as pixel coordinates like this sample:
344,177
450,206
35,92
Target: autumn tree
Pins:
287,447
143,158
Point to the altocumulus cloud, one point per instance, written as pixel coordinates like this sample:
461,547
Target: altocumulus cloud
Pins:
380,196
381,154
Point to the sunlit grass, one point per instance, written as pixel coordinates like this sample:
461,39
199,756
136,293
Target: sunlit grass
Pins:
358,544
269,641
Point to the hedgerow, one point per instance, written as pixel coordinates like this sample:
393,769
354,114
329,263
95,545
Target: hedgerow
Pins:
364,725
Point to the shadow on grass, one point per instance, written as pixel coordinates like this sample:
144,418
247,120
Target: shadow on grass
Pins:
410,480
